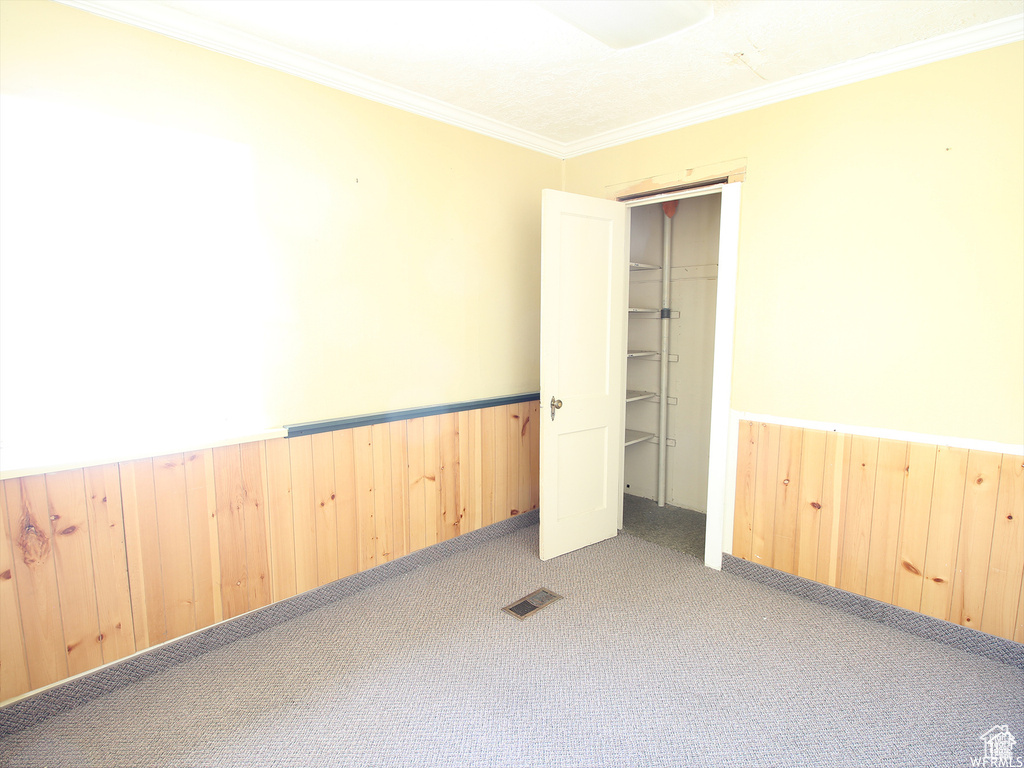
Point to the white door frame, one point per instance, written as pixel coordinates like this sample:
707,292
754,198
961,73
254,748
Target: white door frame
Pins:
721,499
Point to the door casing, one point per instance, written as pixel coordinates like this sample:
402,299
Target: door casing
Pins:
724,424
721,499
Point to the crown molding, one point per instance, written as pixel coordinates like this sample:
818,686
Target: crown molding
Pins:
989,35
215,37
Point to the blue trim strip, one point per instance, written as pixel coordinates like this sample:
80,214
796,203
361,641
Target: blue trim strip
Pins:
313,427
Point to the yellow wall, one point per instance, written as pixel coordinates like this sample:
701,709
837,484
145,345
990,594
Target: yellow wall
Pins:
880,276
881,263
325,296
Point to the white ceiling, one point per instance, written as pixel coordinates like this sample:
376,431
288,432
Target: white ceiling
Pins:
512,69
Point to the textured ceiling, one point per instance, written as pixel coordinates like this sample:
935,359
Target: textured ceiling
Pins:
514,63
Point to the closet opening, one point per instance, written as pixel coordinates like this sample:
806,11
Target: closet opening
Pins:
674,245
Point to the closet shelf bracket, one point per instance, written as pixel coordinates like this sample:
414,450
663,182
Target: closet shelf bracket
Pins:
634,436
654,314
635,395
650,355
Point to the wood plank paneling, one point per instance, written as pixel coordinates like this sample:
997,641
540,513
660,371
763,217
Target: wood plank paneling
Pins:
832,497
326,507
282,524
763,516
257,560
205,544
174,543
243,524
100,563
513,442
977,523
853,566
746,474
268,575
345,482
432,492
76,585
488,513
234,586
400,509
1018,633
142,542
449,447
501,463
883,538
471,477
304,513
382,492
787,500
917,505
943,531
417,495
366,523
13,661
36,580
534,406
465,452
932,529
110,561
808,523
1006,566
525,444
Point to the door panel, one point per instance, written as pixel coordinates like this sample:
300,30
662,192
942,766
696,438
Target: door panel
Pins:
583,323
578,453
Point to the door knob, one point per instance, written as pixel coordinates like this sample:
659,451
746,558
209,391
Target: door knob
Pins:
555,404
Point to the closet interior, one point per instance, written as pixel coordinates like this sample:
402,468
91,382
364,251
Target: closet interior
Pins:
673,255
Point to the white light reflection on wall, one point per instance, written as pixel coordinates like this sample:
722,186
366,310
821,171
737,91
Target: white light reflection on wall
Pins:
132,276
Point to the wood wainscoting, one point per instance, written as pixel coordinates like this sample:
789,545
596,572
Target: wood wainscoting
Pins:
934,529
100,563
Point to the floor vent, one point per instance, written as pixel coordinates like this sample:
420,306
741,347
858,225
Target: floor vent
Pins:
532,603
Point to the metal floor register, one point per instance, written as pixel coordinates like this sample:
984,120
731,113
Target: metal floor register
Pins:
532,603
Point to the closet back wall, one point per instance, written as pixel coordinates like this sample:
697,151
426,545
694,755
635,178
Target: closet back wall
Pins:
201,249
694,285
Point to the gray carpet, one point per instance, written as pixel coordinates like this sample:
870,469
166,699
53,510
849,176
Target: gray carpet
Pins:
673,527
649,660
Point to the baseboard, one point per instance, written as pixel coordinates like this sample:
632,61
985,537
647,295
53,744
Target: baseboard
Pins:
60,697
947,633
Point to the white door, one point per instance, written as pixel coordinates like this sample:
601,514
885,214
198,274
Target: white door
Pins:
583,313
